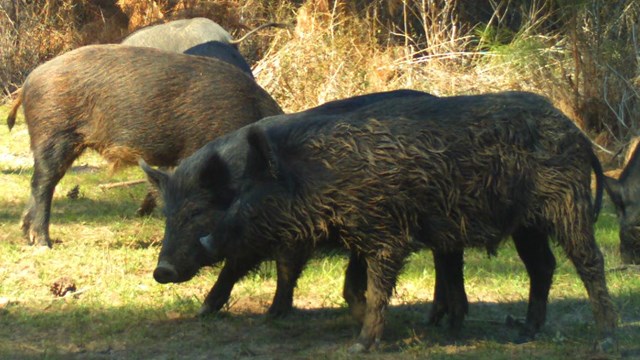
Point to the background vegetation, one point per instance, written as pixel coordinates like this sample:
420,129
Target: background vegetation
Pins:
583,54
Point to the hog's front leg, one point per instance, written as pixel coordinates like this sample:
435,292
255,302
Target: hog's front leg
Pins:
232,271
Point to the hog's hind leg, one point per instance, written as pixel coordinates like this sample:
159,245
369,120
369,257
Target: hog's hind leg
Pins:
533,248
51,161
573,227
382,273
589,262
355,286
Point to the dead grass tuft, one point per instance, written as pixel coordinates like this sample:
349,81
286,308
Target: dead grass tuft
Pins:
582,54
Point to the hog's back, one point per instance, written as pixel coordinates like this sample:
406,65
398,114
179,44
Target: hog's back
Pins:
179,35
463,170
127,102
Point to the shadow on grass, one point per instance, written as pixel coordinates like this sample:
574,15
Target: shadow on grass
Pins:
66,210
99,209
133,332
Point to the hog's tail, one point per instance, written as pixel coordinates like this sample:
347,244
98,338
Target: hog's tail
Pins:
597,169
11,119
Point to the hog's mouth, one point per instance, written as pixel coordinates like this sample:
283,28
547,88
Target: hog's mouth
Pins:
166,272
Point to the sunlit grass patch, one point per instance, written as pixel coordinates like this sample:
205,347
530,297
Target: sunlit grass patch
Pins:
118,311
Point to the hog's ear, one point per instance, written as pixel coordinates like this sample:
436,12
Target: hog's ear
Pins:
156,177
214,174
614,189
262,161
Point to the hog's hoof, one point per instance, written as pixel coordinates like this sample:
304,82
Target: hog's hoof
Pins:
525,334
279,313
147,205
523,339
204,311
437,313
357,348
512,322
40,241
455,329
608,345
45,244
434,319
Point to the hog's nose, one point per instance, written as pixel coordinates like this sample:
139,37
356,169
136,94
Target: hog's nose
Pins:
165,273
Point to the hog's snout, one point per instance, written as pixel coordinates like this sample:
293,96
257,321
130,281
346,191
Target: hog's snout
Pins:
165,273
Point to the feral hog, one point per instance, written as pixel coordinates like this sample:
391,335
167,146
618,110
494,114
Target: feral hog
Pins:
191,192
127,103
179,35
196,36
625,195
450,173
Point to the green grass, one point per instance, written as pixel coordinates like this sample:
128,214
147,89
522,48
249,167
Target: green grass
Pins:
119,311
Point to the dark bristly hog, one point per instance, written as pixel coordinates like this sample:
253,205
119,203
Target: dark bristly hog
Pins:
221,51
448,173
127,103
451,172
625,195
192,193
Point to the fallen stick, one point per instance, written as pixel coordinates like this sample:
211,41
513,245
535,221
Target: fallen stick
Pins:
624,267
121,184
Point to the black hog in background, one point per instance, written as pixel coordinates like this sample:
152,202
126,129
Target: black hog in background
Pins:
127,103
448,172
192,196
221,51
625,195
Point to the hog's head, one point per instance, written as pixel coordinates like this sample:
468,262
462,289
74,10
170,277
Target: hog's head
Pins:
625,195
194,196
261,212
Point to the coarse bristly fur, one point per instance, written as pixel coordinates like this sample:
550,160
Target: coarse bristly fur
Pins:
625,195
202,187
449,172
127,103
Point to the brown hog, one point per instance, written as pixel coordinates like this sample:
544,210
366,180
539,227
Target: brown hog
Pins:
127,103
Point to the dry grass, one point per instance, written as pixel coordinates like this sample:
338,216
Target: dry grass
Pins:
119,312
583,55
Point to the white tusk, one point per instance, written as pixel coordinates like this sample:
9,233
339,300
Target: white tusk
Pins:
207,242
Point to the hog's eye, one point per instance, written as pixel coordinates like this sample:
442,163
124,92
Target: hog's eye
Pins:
197,212
223,199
